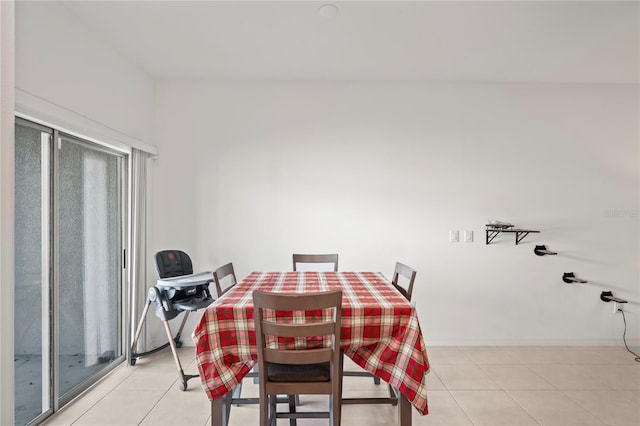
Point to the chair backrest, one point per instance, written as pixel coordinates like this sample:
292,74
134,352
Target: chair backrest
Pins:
315,262
403,278
225,278
274,327
173,263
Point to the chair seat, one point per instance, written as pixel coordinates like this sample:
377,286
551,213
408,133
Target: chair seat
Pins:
299,373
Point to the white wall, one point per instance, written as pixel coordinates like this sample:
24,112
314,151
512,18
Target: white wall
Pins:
379,172
7,159
61,61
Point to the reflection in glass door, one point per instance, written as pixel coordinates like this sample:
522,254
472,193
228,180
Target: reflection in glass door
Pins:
88,290
32,283
69,204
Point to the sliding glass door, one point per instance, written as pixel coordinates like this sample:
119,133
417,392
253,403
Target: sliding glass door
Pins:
69,269
32,289
89,254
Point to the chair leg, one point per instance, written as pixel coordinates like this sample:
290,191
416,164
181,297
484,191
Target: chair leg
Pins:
227,408
376,380
264,411
335,399
255,377
273,408
394,394
292,409
335,410
237,392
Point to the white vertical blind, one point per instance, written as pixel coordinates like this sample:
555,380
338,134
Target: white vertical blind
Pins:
138,256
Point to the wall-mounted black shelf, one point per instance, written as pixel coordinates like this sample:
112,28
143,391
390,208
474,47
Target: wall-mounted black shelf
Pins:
492,231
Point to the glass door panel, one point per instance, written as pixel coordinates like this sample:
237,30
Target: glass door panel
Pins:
32,283
89,268
69,222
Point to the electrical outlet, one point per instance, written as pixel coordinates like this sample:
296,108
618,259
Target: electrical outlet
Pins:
617,307
454,236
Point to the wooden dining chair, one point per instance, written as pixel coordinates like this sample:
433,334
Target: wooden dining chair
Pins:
294,371
403,278
225,278
315,262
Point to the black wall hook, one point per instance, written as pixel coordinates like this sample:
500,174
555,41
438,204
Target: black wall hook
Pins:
607,296
570,278
542,251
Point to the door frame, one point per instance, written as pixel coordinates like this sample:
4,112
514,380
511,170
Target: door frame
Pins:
50,260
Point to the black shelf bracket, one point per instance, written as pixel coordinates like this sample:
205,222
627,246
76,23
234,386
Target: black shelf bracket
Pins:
521,234
492,232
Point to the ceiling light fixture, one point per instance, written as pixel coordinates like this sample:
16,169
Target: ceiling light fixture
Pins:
328,11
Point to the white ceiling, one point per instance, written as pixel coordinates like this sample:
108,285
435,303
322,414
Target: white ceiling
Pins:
573,41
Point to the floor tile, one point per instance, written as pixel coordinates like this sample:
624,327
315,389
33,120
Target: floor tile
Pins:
493,386
244,415
372,415
148,380
164,358
492,408
564,376
443,411
492,354
552,408
572,355
381,391
434,382
515,377
114,378
352,415
611,407
618,376
439,355
78,407
362,383
121,408
463,376
546,354
177,408
623,356
599,355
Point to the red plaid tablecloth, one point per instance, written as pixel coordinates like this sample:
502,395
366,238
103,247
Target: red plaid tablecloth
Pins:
380,330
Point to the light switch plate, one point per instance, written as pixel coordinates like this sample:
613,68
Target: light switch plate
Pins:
468,236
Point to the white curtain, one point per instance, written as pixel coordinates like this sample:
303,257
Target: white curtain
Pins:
97,253
138,283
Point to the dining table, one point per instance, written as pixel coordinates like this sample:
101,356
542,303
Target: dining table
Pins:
380,332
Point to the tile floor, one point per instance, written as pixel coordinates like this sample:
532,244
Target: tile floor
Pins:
28,376
493,386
